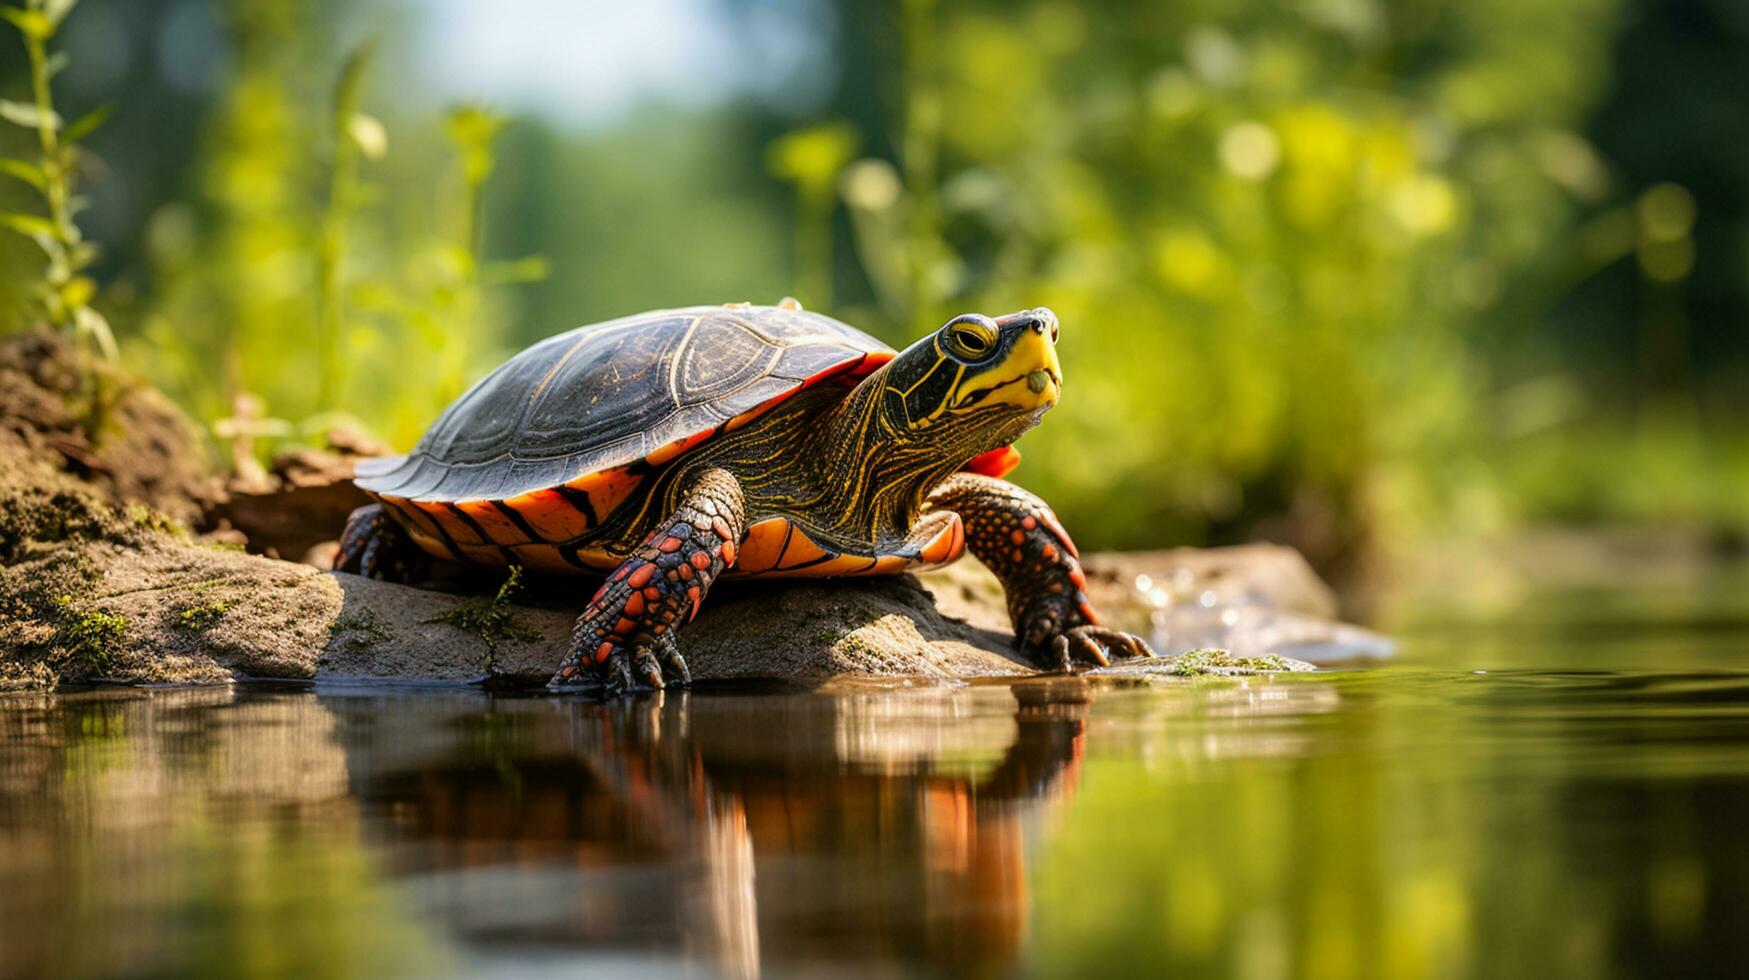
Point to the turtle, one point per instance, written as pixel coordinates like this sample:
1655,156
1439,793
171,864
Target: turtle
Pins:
668,449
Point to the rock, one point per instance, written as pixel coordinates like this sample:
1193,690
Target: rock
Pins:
804,633
91,592
1252,600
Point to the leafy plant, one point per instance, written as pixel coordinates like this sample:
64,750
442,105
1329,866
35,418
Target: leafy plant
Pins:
354,134
442,308
811,160
65,292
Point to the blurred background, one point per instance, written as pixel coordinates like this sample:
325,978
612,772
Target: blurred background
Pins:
1349,274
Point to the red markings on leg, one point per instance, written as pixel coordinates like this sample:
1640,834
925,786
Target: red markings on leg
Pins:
701,560
728,551
641,577
602,652
1062,535
670,544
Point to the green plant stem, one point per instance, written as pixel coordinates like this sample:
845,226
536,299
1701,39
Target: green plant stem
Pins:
54,184
343,192
55,187
814,246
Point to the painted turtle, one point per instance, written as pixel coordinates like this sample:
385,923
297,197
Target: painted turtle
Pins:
671,448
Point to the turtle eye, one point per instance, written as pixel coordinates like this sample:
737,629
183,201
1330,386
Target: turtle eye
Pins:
972,337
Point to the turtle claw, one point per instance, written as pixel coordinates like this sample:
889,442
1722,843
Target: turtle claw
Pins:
1102,644
618,677
1087,646
1058,660
673,664
1089,650
645,668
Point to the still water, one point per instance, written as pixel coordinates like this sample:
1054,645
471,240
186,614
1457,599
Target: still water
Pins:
1564,792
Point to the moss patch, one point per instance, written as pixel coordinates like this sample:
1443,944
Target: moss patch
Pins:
90,637
147,519
197,618
492,620
1205,661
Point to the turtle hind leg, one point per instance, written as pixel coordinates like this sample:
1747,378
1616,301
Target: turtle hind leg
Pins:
625,637
375,546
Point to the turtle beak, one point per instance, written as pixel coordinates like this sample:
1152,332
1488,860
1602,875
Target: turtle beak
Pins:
1028,377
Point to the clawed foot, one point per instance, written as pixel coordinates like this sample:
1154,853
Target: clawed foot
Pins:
1097,646
1087,644
616,669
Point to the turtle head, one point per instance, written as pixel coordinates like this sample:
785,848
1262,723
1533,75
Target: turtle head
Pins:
978,381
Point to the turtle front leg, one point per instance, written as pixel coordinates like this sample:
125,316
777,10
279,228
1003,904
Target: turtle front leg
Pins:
625,637
1016,536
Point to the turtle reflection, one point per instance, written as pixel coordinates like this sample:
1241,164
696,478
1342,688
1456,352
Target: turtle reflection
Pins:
738,828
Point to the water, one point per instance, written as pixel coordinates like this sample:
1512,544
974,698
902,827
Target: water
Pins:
1577,808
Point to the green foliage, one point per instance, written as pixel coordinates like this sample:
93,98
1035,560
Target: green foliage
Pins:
399,322
811,160
444,311
1305,257
1269,234
64,291
354,134
232,314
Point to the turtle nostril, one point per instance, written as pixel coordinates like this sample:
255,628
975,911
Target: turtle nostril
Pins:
1043,322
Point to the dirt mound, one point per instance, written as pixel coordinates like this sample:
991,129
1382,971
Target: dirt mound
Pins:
122,439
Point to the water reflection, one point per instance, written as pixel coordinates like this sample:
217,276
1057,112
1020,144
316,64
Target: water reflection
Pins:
884,825
204,832
1409,821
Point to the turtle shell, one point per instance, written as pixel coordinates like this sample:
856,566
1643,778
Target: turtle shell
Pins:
580,418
